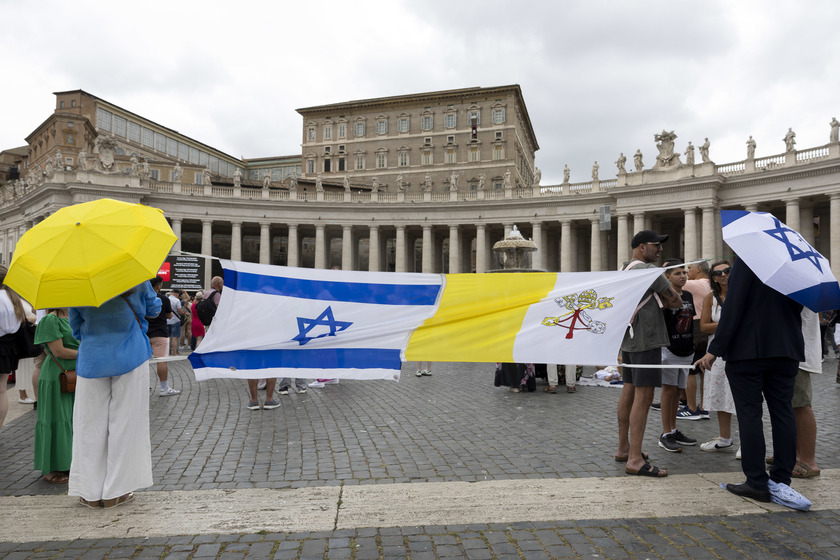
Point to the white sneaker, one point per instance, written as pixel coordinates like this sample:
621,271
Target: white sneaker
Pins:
716,445
317,384
168,392
419,373
27,400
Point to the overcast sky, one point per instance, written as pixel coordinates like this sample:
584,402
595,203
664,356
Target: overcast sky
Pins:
598,77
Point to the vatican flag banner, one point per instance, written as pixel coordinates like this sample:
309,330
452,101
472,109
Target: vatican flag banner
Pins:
275,321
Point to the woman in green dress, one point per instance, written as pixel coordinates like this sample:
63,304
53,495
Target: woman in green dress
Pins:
54,428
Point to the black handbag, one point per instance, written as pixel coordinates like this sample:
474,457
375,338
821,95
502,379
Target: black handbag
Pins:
26,347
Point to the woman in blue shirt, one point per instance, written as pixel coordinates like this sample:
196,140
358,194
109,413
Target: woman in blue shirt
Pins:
112,453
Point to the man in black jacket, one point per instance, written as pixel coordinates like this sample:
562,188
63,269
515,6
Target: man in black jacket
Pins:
760,337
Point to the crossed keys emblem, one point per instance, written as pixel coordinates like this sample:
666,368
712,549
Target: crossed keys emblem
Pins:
577,319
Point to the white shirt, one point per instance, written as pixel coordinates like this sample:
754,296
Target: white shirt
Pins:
176,306
8,320
813,348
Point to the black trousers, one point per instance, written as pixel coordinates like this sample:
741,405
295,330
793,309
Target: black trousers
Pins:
752,382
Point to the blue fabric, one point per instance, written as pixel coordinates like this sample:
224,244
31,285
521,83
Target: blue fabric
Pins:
111,342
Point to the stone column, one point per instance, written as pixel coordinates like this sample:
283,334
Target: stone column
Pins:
428,266
480,248
834,234
399,257
508,228
806,213
265,243
792,213
176,229
207,249
347,253
622,240
751,207
293,254
454,250
566,246
595,245
374,250
320,247
538,256
709,250
638,223
690,234
236,242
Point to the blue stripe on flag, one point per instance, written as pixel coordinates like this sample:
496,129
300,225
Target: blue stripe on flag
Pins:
353,292
322,358
822,297
729,216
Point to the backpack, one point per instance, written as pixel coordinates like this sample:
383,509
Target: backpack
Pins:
206,309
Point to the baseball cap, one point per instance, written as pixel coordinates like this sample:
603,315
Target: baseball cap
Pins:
647,236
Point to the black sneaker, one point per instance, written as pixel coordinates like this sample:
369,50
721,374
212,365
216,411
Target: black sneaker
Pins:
683,439
656,406
668,443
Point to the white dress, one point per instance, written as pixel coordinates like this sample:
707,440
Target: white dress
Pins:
717,395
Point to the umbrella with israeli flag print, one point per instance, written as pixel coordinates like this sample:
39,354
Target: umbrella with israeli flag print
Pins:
781,258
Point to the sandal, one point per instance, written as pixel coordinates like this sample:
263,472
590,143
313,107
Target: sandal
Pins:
570,389
648,470
57,477
93,504
801,470
114,502
550,389
620,459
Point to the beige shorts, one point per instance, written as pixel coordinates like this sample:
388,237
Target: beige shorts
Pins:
160,346
802,389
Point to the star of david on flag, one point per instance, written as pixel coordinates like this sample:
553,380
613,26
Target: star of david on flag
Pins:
325,319
781,258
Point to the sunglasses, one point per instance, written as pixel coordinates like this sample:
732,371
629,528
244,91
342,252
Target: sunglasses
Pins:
722,272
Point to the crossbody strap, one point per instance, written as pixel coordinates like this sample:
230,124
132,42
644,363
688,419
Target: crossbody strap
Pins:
125,299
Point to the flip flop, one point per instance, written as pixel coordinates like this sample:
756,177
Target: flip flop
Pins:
648,470
620,459
550,389
801,470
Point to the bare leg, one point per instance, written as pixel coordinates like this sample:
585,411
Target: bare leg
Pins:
638,422
162,371
725,423
269,387
625,404
806,436
4,398
252,390
669,399
691,392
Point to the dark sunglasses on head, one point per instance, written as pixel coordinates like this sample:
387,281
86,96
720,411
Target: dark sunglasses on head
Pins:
726,271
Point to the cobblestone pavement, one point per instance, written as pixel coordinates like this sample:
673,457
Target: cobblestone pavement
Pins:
452,426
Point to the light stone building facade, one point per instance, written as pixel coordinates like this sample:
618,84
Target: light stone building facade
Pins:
285,211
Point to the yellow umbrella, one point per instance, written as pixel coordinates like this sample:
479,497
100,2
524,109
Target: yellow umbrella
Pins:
86,254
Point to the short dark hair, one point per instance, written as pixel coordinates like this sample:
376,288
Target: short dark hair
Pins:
156,281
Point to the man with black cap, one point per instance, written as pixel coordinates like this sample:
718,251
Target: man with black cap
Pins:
645,336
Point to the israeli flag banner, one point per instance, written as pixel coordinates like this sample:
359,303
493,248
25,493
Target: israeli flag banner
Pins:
275,321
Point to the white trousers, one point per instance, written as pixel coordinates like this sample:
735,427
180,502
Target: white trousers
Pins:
112,451
554,376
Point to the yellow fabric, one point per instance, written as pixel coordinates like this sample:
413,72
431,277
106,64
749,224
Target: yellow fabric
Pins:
465,328
86,254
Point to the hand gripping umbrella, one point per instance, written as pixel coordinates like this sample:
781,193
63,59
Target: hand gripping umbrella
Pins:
86,254
781,258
